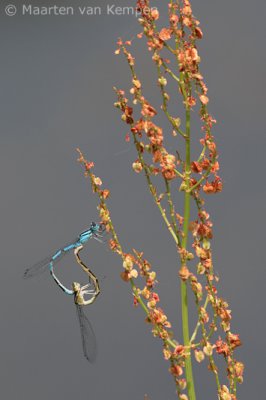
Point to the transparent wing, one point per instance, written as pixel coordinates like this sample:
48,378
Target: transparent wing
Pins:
88,338
37,268
42,266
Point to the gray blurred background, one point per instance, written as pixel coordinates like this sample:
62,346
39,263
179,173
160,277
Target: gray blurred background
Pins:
57,74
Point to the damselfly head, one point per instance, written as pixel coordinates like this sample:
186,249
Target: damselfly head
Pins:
75,287
78,295
102,227
93,225
97,228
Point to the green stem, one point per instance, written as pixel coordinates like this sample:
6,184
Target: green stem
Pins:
184,295
153,191
194,335
172,209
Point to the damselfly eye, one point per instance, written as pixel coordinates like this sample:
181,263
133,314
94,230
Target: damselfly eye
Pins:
102,227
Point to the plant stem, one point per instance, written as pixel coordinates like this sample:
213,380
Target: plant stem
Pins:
172,209
153,192
184,296
194,335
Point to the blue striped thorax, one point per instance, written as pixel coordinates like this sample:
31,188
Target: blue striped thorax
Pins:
93,231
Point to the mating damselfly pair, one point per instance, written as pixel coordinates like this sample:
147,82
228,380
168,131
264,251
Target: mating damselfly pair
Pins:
91,289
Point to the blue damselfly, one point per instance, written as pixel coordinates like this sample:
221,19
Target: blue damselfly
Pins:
94,231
